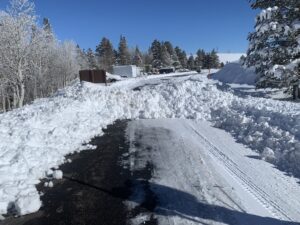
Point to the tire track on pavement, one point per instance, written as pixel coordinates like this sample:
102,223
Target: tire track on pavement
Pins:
259,194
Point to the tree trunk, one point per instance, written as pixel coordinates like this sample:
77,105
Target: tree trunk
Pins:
8,104
296,92
22,95
3,100
15,97
35,92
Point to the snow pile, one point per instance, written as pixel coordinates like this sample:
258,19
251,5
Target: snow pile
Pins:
58,174
268,154
235,73
113,77
36,138
264,123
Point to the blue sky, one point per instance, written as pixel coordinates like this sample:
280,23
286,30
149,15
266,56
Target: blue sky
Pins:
190,24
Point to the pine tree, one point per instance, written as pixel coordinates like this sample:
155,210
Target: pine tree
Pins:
165,56
199,61
274,46
156,54
137,58
181,57
48,29
106,54
148,58
123,54
82,58
208,61
91,59
191,63
172,52
215,59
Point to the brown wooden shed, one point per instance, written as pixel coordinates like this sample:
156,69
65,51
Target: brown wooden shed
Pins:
93,76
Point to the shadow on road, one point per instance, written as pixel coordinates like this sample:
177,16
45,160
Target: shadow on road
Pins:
168,203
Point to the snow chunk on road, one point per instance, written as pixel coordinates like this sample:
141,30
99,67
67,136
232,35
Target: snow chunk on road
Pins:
58,174
28,204
50,184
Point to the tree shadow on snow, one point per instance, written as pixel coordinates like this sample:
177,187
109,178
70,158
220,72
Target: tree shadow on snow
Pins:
188,206
172,202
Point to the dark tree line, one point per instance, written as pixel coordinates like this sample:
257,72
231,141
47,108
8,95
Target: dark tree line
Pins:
160,54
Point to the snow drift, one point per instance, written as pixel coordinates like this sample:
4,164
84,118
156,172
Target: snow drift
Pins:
235,73
36,138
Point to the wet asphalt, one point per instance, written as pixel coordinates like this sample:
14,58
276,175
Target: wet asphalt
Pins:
95,187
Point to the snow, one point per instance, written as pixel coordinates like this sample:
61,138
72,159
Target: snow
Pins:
58,174
113,77
268,154
126,71
28,203
230,57
36,138
202,176
50,184
236,73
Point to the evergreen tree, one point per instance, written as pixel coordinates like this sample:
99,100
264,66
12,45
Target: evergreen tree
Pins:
173,54
169,47
181,57
91,59
148,58
274,46
199,61
105,54
165,56
191,63
48,29
123,54
137,58
82,58
208,61
156,54
215,59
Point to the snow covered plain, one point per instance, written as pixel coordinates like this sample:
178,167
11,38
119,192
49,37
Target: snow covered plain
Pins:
36,138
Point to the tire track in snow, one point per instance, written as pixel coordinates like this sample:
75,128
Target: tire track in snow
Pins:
260,195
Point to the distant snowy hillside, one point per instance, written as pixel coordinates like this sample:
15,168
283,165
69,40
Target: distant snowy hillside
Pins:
229,57
235,73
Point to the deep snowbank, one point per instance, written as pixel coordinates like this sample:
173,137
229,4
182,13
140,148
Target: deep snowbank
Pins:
36,138
235,73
